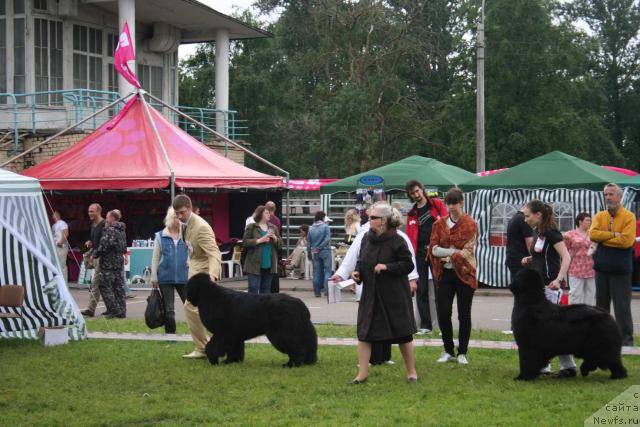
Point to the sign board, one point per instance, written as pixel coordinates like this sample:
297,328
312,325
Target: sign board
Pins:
371,180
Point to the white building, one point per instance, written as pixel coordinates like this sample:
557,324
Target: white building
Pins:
56,58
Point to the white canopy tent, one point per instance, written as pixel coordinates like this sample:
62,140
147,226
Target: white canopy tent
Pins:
28,258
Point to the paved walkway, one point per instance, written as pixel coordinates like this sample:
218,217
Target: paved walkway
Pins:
420,342
491,308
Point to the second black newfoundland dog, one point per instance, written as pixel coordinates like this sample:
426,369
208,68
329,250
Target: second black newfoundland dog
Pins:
543,330
233,317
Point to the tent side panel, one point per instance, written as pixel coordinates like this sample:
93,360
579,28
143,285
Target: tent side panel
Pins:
491,268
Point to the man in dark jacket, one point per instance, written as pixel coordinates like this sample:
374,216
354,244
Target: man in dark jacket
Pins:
97,226
110,251
519,240
420,219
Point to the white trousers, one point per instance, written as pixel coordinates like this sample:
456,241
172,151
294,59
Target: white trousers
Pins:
583,291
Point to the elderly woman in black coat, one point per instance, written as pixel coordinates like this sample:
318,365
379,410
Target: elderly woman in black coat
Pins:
385,313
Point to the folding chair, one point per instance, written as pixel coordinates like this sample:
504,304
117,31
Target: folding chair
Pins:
12,296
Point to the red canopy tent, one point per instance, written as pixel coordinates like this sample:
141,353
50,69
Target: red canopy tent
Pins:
131,156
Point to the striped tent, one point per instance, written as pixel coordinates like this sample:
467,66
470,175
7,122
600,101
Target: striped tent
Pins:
491,258
28,259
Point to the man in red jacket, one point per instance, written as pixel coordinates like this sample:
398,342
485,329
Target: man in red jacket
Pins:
425,211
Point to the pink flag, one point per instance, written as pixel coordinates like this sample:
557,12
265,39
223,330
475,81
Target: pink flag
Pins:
124,52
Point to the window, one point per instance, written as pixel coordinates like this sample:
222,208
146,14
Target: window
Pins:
40,4
151,79
112,43
501,214
87,58
18,6
3,51
48,59
18,49
564,215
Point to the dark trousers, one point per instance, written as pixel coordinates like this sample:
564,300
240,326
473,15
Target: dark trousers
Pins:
422,293
275,284
616,287
513,270
448,287
169,304
111,284
260,283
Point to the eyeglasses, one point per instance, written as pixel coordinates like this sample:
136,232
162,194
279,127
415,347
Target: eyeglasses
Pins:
373,217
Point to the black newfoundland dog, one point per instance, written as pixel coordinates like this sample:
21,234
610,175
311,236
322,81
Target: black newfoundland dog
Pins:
543,330
233,317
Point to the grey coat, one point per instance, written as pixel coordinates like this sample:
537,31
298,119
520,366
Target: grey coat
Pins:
254,250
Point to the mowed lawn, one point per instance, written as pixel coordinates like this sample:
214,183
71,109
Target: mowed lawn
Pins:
133,383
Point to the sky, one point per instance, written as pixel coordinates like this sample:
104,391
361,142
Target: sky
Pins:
225,6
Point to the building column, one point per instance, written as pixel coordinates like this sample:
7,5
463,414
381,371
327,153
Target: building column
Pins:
222,79
127,13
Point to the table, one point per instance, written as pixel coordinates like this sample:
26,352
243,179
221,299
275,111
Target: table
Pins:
139,259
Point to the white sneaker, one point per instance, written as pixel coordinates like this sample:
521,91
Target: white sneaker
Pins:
507,332
546,370
423,331
390,362
462,359
446,357
195,354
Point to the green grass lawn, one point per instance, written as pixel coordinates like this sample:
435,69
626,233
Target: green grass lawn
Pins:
130,383
324,330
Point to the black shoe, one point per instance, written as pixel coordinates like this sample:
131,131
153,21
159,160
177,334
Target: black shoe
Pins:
106,313
565,373
87,312
412,380
356,381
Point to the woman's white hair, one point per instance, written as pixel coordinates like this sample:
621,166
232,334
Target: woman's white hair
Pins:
394,217
171,217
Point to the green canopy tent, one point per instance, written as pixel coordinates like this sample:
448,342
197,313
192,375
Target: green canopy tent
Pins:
431,172
552,170
631,181
571,185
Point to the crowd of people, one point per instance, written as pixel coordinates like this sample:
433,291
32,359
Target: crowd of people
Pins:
593,263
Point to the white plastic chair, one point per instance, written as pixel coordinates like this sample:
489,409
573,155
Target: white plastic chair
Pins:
232,263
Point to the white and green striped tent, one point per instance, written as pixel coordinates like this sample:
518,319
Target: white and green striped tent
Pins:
28,258
500,204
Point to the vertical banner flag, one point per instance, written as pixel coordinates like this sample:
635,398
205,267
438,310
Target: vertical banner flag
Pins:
124,52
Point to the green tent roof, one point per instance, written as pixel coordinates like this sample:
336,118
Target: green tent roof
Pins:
431,172
552,170
630,181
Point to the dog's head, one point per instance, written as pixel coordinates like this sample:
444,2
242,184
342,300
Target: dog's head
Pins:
528,285
197,287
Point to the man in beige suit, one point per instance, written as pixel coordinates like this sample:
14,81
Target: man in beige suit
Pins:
205,258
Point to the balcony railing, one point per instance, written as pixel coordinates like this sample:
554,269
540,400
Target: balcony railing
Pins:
42,112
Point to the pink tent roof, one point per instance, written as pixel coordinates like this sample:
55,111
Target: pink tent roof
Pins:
309,184
129,156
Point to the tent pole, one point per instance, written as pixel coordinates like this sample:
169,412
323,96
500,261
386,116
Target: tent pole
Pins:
91,116
159,139
173,186
288,211
218,134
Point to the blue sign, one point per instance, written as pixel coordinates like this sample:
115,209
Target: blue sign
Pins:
371,180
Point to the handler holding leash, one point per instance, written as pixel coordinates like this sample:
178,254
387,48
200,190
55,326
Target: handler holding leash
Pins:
550,257
205,258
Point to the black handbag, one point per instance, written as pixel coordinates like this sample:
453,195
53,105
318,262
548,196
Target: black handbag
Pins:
154,313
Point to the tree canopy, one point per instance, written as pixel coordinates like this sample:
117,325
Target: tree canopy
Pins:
346,86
